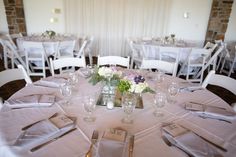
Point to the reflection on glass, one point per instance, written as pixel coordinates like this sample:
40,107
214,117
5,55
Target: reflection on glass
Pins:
159,101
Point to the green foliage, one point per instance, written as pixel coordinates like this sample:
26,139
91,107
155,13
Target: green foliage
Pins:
124,86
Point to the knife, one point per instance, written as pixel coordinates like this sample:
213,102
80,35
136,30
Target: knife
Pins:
131,146
52,140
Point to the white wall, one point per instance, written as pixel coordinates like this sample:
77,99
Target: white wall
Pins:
38,14
194,27
230,34
3,20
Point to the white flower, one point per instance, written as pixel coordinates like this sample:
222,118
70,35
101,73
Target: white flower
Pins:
105,72
138,88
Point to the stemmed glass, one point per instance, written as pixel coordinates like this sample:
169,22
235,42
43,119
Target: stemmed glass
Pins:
159,101
73,79
89,106
128,105
173,90
66,91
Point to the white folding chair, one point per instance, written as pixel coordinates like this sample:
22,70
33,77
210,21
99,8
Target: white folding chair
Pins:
35,58
135,54
16,57
211,47
14,74
12,38
221,81
88,49
65,49
81,51
113,60
164,66
211,60
10,75
230,59
194,64
60,63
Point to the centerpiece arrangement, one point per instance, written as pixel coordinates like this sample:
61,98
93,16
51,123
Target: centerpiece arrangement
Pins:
117,86
49,34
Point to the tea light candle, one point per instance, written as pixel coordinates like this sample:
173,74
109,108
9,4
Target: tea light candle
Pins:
110,104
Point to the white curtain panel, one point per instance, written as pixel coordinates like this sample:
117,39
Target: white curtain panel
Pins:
111,22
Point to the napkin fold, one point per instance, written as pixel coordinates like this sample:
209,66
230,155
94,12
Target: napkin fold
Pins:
210,111
53,82
189,142
45,130
113,143
31,101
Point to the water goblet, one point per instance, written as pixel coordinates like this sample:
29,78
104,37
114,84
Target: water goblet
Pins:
66,91
128,105
73,79
89,106
160,77
159,101
173,90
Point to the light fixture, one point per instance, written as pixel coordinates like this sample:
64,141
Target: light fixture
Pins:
56,11
186,15
53,20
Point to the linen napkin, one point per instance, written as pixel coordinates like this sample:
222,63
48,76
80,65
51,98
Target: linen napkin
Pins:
189,142
31,101
210,111
53,82
113,143
44,130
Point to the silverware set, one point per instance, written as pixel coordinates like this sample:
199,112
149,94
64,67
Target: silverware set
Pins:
94,139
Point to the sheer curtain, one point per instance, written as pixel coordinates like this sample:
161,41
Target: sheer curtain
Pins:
111,22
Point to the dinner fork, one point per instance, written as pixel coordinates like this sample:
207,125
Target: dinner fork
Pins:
93,141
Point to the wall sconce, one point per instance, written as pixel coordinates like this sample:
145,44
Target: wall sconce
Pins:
186,15
56,11
53,20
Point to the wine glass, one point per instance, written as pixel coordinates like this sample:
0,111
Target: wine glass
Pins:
89,106
160,77
159,101
66,91
173,90
128,105
73,79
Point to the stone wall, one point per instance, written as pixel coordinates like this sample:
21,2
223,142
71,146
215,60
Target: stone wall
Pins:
15,16
218,20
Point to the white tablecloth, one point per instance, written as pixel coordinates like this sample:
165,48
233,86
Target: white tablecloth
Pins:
50,45
146,126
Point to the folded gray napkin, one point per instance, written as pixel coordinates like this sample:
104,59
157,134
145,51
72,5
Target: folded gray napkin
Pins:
210,111
44,130
189,142
31,101
53,82
113,143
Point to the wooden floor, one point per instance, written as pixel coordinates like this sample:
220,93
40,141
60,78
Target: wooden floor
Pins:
8,89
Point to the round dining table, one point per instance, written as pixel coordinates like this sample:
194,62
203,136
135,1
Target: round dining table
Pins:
146,128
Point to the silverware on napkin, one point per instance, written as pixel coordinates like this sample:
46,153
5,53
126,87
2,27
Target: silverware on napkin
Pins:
215,118
52,140
93,141
131,146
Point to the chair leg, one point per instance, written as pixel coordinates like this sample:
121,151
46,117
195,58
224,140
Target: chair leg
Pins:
231,68
222,67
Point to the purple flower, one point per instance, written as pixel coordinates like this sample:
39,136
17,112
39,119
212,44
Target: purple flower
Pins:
139,79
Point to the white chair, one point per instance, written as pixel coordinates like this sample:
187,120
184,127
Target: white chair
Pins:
113,60
9,51
81,51
167,67
14,74
211,60
194,65
211,47
65,49
60,63
135,54
230,59
222,55
221,81
88,49
12,38
35,58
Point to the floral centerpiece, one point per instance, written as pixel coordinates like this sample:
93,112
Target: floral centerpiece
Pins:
49,33
105,74
134,84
